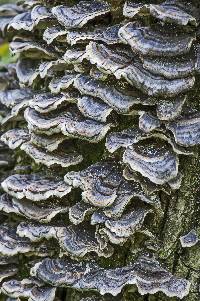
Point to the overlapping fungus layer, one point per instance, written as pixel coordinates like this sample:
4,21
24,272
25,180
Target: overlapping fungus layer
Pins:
102,114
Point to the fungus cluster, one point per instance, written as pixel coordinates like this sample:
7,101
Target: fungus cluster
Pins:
100,105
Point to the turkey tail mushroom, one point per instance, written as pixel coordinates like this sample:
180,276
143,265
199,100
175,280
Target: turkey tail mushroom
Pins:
145,273
97,114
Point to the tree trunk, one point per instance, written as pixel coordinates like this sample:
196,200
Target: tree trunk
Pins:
181,214
100,184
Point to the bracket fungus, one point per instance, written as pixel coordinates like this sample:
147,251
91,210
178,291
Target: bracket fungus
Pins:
148,122
148,42
69,122
109,35
11,98
72,240
104,186
94,109
120,230
122,66
15,100
7,271
116,99
178,12
186,131
7,12
156,163
29,20
45,103
125,138
57,157
79,211
56,85
77,16
34,187
172,68
32,49
131,9
28,288
15,137
50,143
145,273
32,210
27,71
54,33
169,11
189,240
98,109
12,244
170,109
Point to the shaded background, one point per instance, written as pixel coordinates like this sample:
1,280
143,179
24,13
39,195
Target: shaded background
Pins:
5,56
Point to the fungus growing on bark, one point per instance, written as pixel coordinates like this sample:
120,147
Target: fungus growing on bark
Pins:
158,164
171,108
131,9
186,130
177,12
69,122
12,244
15,138
148,123
7,13
122,66
124,139
109,35
77,16
99,109
172,11
116,99
54,33
79,211
93,108
32,49
72,240
47,102
64,159
28,288
50,143
189,240
42,212
145,273
103,185
56,85
12,98
120,230
34,187
145,41
27,71
172,67
7,271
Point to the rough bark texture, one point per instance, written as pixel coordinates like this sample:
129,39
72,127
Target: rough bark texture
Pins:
106,118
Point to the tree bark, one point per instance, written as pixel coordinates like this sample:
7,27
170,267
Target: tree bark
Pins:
159,236
181,214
